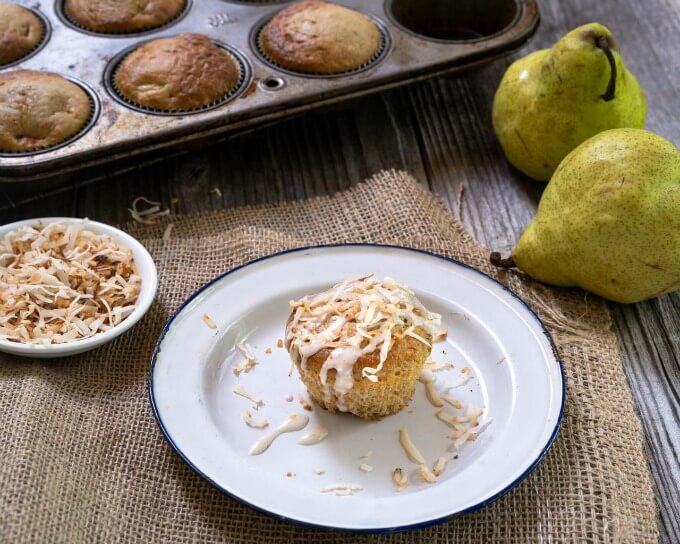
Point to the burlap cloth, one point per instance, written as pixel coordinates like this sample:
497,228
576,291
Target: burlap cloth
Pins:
82,459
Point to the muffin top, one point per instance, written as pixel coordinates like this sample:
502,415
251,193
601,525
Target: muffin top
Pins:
122,16
355,318
320,38
20,32
180,73
39,110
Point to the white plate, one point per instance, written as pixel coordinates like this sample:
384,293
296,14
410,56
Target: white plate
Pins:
517,378
145,267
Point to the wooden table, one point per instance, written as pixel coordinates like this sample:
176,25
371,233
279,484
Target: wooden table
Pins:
441,132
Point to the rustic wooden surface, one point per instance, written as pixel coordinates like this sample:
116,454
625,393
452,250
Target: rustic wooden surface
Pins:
440,131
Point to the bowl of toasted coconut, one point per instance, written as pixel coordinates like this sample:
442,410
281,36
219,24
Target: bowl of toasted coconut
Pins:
70,285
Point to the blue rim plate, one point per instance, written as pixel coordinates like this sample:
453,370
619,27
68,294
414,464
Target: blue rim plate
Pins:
518,382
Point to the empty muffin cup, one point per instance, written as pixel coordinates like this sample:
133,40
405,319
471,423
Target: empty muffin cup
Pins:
121,18
132,77
57,110
447,21
23,32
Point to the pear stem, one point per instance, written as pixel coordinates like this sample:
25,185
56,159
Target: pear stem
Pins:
500,262
603,43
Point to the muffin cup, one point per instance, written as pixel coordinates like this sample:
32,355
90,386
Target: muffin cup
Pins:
46,34
244,77
383,50
453,22
95,109
60,11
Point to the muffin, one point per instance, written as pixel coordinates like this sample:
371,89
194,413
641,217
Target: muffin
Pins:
20,32
39,110
360,346
176,74
122,16
319,38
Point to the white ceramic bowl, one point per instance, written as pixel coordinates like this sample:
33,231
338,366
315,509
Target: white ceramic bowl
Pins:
145,267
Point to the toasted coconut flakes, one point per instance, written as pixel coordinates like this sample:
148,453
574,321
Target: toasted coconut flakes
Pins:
289,398
439,466
426,376
399,479
61,282
249,359
453,402
319,471
462,379
279,343
367,454
440,335
304,403
341,489
148,215
436,367
290,474
268,351
472,415
425,474
365,468
465,437
239,390
248,418
409,447
433,395
167,231
208,321
449,418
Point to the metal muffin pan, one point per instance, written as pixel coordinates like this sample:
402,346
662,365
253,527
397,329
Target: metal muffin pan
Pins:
422,38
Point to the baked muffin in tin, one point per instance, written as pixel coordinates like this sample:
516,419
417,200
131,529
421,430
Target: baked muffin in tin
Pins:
181,73
122,16
39,110
21,31
314,37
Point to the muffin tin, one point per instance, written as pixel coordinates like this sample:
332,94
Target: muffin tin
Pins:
421,38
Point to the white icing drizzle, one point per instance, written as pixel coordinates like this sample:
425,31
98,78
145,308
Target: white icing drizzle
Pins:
293,423
355,318
316,436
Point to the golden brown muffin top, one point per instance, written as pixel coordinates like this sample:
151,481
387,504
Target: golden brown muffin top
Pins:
180,73
20,32
39,109
320,38
122,16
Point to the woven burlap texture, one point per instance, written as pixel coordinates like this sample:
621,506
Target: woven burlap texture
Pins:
84,461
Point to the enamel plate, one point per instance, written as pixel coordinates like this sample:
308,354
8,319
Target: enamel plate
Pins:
517,381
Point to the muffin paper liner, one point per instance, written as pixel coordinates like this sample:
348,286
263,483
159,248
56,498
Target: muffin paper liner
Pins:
46,34
60,10
240,85
382,52
89,123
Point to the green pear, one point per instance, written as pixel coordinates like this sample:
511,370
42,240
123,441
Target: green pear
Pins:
609,220
552,100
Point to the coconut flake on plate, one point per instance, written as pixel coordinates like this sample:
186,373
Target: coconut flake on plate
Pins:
439,466
433,395
440,335
367,454
399,479
251,422
410,448
209,321
319,471
437,366
341,489
241,391
249,360
464,376
453,402
364,467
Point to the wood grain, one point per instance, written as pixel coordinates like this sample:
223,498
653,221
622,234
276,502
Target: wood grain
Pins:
440,131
